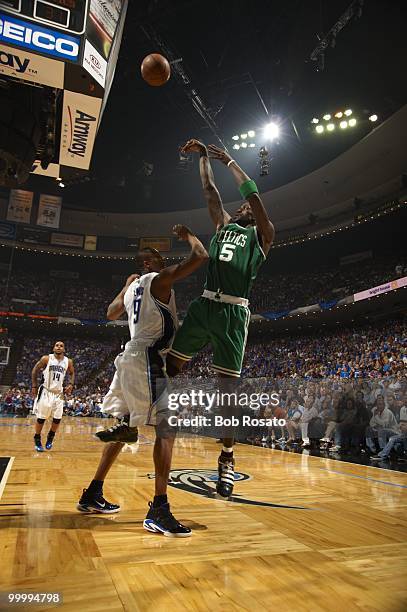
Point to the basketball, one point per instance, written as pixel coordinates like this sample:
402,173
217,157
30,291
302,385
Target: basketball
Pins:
155,69
279,413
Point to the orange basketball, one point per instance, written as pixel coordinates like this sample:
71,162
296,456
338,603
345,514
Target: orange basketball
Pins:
155,69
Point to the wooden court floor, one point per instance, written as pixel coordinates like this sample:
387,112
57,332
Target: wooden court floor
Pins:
333,536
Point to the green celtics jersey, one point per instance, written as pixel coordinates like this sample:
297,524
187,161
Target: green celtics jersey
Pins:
235,257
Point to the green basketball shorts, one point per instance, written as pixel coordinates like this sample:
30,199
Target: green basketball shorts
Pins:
223,326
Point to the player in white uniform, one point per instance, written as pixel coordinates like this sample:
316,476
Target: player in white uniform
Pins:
139,380
49,397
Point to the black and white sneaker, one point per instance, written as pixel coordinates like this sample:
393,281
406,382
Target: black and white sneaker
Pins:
118,433
160,520
226,477
96,503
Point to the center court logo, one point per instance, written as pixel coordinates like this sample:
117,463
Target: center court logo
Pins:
203,482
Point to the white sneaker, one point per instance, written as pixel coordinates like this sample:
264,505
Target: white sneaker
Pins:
335,449
306,443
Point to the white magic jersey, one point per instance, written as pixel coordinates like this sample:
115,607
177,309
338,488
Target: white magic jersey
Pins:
54,373
150,321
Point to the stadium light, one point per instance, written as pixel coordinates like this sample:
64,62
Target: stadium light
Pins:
373,118
326,117
319,129
339,114
235,137
236,147
330,127
243,136
251,133
271,131
62,184
315,120
348,112
244,145
252,144
343,125
352,122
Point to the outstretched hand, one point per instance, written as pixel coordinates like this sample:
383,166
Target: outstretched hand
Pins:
193,146
182,232
220,154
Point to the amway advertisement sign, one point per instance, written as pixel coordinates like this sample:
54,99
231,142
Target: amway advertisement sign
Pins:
36,38
29,67
79,127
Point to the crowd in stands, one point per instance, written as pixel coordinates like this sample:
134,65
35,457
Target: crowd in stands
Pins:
29,293
273,292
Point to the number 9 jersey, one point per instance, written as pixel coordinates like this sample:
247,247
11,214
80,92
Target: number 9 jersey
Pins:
150,321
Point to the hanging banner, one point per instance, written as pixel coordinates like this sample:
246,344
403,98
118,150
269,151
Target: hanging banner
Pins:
69,240
19,206
90,243
80,118
102,23
49,210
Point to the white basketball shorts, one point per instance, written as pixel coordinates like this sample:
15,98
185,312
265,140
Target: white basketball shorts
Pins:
48,404
137,386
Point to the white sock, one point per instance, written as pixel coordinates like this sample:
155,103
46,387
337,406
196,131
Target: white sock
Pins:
227,449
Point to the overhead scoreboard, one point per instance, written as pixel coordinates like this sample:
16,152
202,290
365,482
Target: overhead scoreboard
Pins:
71,45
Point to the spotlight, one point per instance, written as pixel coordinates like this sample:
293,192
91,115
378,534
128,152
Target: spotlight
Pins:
251,133
339,114
236,137
252,144
330,127
315,120
271,131
236,146
244,145
319,129
352,122
243,136
327,117
373,118
61,184
348,112
343,124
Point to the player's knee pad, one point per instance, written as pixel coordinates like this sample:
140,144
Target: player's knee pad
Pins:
56,421
41,421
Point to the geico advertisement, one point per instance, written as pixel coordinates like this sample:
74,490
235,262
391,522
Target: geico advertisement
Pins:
37,38
80,117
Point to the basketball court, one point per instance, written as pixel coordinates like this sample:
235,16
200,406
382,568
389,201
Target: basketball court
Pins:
302,532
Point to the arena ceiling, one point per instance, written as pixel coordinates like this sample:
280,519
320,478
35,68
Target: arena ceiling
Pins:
241,56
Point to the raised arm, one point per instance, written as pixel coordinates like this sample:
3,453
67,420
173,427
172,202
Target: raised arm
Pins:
40,365
116,308
71,372
163,282
264,226
217,213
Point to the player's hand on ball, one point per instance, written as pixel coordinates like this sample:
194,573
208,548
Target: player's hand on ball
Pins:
220,154
193,146
182,232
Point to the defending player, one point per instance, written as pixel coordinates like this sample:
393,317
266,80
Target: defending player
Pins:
49,397
221,316
139,380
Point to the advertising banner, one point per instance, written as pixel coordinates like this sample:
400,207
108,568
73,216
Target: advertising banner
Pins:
19,206
102,23
90,243
390,286
80,117
33,235
161,244
94,63
69,240
7,230
49,210
29,67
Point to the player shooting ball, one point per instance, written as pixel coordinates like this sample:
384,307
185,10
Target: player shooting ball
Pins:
221,316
